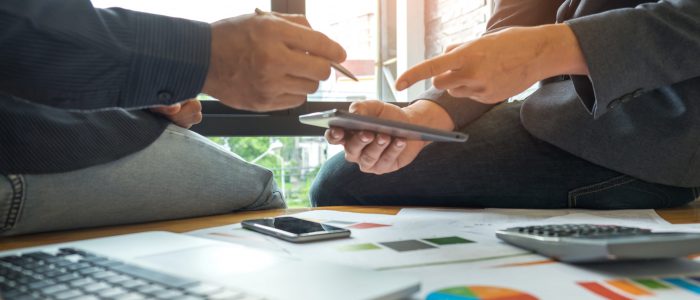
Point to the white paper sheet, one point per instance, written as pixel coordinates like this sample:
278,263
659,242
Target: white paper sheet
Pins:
487,266
404,242
486,221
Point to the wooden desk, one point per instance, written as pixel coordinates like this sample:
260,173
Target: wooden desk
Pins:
682,215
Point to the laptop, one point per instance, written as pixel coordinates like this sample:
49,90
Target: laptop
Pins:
162,265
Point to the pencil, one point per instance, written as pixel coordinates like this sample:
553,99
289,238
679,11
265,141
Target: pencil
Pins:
335,65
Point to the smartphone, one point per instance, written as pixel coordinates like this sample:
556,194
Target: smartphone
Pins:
295,230
343,119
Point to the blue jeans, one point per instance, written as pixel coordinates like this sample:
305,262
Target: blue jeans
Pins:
501,165
180,175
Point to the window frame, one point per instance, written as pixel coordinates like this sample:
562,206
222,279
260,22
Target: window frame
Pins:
221,120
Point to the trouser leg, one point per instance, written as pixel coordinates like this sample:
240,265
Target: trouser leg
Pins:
180,175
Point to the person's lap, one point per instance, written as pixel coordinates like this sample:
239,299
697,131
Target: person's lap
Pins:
180,175
501,165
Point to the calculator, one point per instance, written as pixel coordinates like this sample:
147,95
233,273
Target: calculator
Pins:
581,243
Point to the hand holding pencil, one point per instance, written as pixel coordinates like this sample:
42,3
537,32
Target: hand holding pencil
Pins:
302,20
265,62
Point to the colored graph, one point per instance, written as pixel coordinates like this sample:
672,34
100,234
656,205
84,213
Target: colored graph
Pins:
408,245
349,224
478,292
628,289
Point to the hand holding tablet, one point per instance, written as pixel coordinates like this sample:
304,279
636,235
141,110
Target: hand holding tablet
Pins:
346,120
382,138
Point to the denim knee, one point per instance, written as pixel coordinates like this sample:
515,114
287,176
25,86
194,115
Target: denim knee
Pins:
12,190
626,192
325,190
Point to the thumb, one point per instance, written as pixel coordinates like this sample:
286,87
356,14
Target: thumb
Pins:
367,108
428,69
168,110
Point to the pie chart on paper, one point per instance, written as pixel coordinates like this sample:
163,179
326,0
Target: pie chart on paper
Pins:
479,292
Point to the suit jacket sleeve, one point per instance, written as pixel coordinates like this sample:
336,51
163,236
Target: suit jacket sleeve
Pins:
68,54
633,50
507,13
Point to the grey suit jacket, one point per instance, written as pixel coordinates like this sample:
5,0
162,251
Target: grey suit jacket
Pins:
638,112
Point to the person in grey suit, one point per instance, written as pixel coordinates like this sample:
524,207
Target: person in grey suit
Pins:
615,123
94,106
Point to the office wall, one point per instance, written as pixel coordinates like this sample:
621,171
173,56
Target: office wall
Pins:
453,21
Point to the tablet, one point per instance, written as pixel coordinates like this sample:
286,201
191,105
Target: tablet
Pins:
346,120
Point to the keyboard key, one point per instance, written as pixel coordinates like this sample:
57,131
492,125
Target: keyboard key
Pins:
168,294
67,294
111,293
103,274
50,290
150,289
130,296
87,297
78,266
12,293
117,279
54,273
61,263
94,287
41,284
81,282
90,270
23,297
67,277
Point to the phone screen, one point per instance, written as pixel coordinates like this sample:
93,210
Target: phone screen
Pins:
295,225
295,229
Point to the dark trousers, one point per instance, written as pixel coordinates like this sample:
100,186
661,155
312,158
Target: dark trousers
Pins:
501,165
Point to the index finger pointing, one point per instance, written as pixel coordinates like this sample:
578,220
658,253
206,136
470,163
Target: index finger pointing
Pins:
428,69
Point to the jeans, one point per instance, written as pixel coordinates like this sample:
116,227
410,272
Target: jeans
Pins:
502,166
180,175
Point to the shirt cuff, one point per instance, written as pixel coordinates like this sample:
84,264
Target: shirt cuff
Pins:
170,60
462,111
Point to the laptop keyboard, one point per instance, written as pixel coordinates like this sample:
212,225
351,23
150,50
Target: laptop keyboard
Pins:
79,275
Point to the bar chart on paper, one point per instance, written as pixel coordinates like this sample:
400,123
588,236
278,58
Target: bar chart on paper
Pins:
479,293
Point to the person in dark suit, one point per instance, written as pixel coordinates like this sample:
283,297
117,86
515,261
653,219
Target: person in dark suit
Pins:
613,125
90,100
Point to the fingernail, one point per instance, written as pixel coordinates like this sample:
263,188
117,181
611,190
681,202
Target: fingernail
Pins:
364,138
400,144
335,133
380,141
401,85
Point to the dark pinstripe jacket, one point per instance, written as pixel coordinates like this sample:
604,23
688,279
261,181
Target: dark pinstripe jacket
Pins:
639,110
69,72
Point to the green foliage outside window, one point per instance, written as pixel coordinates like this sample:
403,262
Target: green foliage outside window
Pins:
284,158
